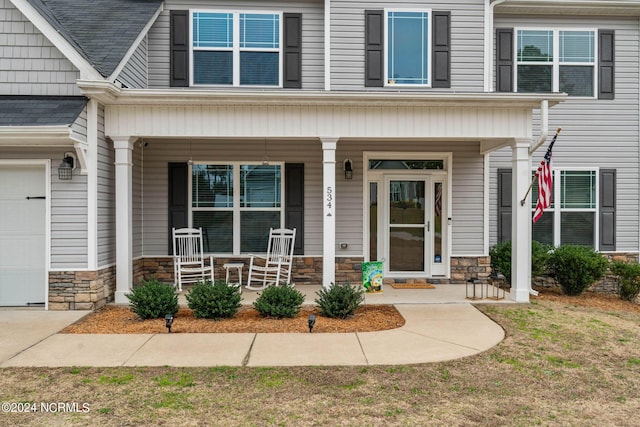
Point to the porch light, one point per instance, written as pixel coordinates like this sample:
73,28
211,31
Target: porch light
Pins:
348,169
65,170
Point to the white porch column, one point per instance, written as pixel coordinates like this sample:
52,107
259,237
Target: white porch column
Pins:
521,222
329,210
124,201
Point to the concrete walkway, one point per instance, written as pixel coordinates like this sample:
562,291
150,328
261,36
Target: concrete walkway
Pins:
441,324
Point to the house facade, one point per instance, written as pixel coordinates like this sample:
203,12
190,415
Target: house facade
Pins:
389,132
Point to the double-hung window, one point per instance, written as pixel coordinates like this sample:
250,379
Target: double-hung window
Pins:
556,61
408,59
236,204
571,218
236,48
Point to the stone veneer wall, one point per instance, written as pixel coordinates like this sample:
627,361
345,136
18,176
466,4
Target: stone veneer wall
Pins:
81,290
308,270
607,285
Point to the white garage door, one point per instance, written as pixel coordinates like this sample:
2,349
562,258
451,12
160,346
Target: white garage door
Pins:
22,235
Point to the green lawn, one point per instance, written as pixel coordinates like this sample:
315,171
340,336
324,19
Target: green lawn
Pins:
559,365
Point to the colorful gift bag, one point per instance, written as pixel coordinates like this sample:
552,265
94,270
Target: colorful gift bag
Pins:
372,276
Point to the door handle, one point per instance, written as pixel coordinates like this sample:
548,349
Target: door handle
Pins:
36,197
428,226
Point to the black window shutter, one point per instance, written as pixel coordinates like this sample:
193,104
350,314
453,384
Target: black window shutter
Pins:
294,202
441,49
179,51
606,64
607,209
178,198
504,60
292,50
374,48
504,205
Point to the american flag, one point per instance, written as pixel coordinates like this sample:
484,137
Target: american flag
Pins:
545,183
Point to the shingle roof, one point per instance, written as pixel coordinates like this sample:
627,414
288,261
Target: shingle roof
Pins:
100,30
24,110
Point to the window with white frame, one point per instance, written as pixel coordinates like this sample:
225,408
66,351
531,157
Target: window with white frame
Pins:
236,48
571,218
408,58
556,61
236,204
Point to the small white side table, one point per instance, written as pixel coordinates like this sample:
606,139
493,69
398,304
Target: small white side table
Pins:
238,266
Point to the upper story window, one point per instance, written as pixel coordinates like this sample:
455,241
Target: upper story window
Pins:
236,48
411,48
408,59
556,61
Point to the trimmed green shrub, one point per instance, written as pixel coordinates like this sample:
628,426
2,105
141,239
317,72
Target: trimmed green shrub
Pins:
500,254
279,301
216,301
576,268
501,258
540,254
339,301
628,279
152,299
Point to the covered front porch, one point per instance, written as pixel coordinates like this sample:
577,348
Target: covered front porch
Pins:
152,130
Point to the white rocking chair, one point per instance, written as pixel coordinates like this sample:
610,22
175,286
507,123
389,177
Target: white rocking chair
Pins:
189,264
275,268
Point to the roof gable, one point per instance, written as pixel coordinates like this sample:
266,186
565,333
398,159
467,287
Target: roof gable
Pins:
102,31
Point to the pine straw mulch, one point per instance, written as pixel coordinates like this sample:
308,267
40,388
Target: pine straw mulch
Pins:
121,320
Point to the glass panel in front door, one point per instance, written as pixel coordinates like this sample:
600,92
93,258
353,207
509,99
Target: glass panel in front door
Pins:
406,225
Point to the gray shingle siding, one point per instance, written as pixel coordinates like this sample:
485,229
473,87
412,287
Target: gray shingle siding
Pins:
29,63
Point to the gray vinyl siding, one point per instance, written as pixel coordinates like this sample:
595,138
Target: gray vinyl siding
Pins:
312,36
106,196
79,126
69,223
29,63
467,41
595,133
467,187
135,74
157,155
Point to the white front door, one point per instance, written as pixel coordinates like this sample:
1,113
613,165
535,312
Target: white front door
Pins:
22,235
407,224
414,226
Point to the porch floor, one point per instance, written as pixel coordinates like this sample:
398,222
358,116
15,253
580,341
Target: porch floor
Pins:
442,294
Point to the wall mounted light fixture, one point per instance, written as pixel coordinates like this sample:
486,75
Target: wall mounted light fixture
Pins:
348,169
68,164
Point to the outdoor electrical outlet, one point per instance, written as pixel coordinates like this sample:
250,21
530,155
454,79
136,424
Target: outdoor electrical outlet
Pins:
344,245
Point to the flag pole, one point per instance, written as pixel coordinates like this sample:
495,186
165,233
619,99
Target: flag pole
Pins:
524,199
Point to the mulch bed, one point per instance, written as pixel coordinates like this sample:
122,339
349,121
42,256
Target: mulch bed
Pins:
121,320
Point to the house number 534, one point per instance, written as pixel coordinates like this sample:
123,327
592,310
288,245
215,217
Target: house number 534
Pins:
329,197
